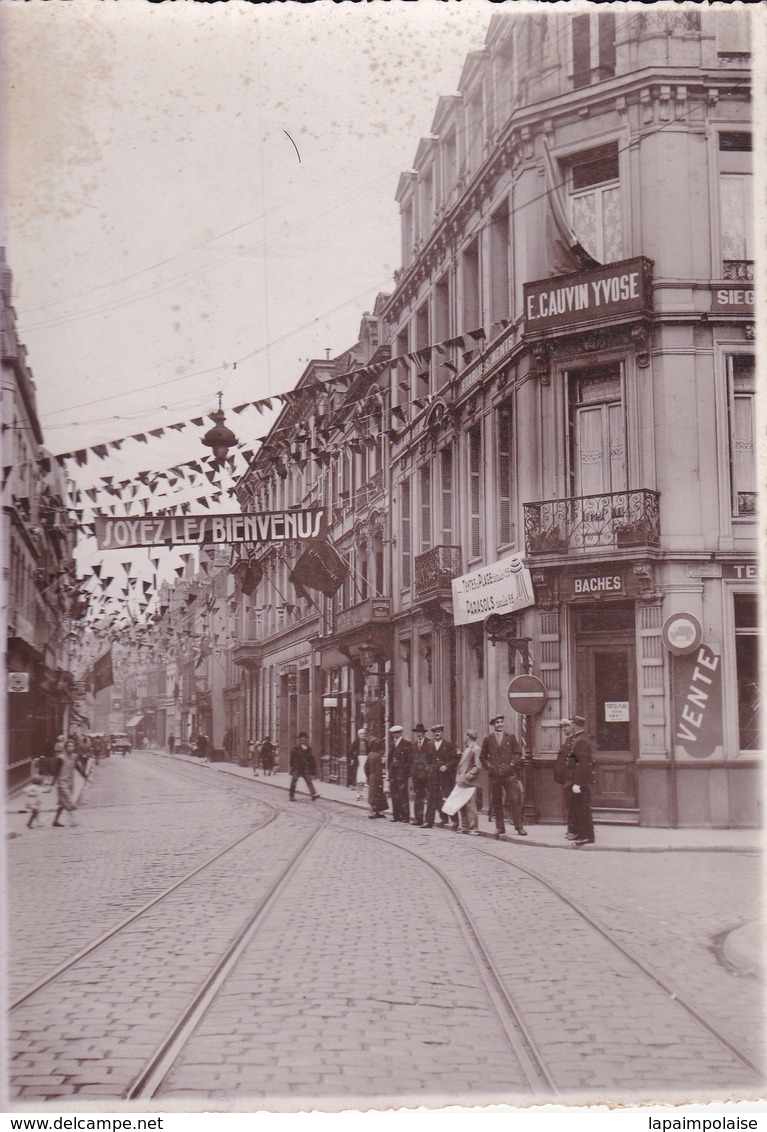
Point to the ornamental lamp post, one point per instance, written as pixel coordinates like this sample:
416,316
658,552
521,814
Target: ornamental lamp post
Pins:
219,438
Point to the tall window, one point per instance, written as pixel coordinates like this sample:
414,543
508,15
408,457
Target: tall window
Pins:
425,482
442,328
472,317
449,167
422,340
595,201
406,537
403,369
427,203
408,234
446,494
747,664
736,219
593,48
499,264
505,475
597,431
475,491
741,388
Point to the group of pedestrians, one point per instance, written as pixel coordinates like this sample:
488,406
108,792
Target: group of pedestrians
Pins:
262,755
442,781
70,757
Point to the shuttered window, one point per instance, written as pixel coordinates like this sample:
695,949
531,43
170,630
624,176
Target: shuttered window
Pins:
505,514
425,478
405,534
475,491
446,489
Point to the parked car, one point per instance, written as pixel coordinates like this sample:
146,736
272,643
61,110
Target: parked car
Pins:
120,742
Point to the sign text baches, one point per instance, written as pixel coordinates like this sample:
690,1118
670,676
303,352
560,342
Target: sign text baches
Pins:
267,526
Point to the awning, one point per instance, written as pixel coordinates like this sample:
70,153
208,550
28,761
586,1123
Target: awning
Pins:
134,720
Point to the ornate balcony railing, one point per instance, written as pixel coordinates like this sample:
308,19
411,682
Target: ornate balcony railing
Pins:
435,569
741,269
746,502
588,522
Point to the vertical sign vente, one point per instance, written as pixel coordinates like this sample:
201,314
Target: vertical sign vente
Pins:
698,702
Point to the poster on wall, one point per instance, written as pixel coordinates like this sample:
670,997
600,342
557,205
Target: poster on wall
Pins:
698,702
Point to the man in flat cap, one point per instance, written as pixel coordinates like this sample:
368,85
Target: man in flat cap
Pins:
574,769
443,775
400,755
420,769
501,756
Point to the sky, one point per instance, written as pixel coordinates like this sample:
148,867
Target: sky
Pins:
200,198
193,186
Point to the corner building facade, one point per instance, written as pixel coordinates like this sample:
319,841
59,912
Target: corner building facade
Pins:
573,383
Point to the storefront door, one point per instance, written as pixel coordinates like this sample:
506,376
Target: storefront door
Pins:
606,695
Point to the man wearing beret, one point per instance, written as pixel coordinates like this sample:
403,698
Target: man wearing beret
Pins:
400,755
501,756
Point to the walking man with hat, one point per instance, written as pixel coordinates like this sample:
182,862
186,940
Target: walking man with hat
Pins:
302,765
400,756
574,769
420,769
501,756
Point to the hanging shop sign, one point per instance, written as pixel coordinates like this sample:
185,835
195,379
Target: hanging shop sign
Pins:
501,588
681,633
698,702
588,296
732,300
609,582
741,571
257,527
18,681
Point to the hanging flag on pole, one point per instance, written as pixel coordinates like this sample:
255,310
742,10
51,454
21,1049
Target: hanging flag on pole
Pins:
566,235
101,675
321,568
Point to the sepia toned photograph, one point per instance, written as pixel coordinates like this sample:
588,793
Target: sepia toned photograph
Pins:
380,447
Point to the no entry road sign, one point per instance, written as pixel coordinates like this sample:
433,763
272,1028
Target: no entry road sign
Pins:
526,694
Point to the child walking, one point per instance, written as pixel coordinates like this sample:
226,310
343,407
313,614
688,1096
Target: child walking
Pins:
33,794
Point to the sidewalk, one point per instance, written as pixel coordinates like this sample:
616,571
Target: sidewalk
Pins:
615,838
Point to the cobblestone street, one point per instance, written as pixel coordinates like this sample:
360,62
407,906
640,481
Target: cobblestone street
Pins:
378,962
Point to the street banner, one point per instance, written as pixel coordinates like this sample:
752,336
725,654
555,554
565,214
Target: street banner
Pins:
162,530
501,588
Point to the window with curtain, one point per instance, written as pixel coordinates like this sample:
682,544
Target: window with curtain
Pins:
741,388
595,203
598,432
736,206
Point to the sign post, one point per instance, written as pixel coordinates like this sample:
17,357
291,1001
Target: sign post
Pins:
527,695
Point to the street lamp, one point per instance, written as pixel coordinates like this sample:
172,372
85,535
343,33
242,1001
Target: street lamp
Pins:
219,438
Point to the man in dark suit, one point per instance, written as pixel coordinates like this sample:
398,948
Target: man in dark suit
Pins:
400,756
501,756
443,777
420,770
578,776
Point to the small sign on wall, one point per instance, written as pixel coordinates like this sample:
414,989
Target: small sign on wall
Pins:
617,711
18,681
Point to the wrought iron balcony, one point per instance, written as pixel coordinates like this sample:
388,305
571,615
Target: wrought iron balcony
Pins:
741,269
435,569
747,503
590,522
